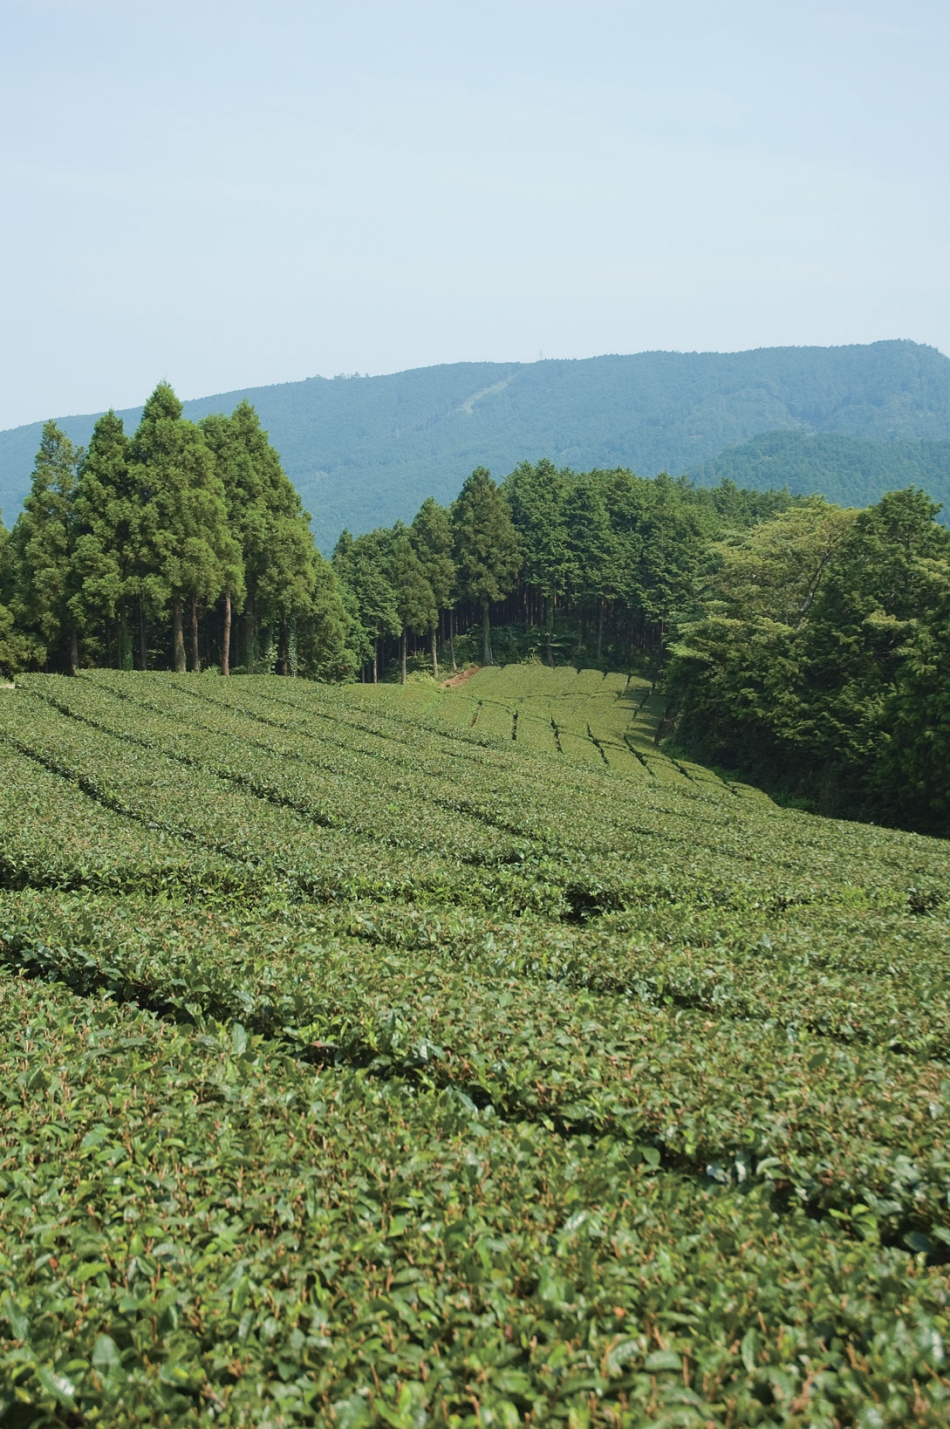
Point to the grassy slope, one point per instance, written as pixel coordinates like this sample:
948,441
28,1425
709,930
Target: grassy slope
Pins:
398,1056
367,451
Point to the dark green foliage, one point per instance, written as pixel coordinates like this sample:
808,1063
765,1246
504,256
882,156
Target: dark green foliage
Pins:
109,563
850,470
366,452
323,628
189,553
278,561
487,547
416,607
432,540
11,653
43,545
195,525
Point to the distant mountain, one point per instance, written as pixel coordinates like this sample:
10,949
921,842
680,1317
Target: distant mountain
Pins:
848,470
365,451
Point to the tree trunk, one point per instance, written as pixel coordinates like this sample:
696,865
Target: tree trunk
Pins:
73,652
548,623
486,634
125,643
600,631
435,653
195,654
143,645
375,662
226,636
178,638
250,639
452,640
283,654
405,642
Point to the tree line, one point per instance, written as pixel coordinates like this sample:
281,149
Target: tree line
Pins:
805,645
185,546
589,566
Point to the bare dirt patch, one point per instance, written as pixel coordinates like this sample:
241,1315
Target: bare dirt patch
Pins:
460,678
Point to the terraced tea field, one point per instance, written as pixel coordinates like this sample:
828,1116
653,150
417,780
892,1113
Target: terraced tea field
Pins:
407,1056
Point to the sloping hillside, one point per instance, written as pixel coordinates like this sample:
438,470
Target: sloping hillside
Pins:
851,471
370,1055
367,451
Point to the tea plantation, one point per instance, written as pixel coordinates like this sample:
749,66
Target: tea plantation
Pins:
406,1056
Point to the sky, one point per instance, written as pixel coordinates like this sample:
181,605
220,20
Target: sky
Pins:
230,193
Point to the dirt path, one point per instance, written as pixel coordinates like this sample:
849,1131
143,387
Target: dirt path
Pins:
460,678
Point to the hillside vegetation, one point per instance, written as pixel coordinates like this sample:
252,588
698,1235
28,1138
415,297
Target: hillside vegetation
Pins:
808,640
850,471
402,1055
366,451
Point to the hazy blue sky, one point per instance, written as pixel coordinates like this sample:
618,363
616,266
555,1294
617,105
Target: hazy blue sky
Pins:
228,194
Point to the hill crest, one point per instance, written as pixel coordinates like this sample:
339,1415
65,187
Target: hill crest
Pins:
365,451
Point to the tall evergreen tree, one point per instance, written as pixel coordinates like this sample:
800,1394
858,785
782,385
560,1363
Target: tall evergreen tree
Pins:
280,561
431,535
105,558
190,554
591,551
487,549
537,497
43,544
12,653
415,602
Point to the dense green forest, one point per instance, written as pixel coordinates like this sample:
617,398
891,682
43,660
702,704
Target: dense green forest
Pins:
851,471
185,546
181,546
805,644
367,451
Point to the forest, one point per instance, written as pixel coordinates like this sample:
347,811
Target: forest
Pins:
804,644
366,451
851,471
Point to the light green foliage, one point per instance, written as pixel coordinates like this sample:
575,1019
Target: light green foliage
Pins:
814,663
365,1064
360,565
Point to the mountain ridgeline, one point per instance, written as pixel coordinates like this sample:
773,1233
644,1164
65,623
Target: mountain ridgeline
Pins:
849,422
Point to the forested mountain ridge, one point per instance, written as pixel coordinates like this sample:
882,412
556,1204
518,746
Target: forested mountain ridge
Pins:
849,470
366,451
